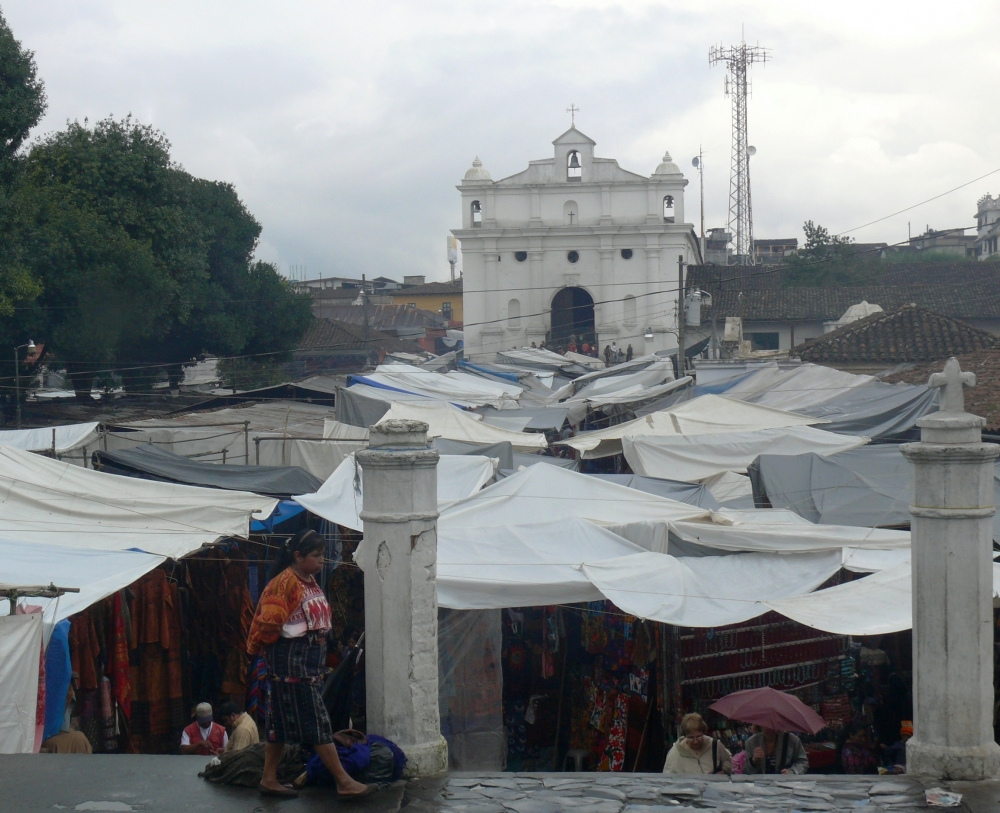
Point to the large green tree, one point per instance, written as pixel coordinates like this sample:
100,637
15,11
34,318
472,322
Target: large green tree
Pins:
22,103
144,267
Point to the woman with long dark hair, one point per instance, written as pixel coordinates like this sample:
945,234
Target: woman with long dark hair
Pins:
289,629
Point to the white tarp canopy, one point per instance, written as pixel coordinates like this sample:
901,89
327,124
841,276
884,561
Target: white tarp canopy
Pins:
695,457
457,388
445,421
782,531
707,414
343,431
340,499
45,501
709,591
796,388
521,565
20,651
64,438
875,605
98,573
226,435
548,493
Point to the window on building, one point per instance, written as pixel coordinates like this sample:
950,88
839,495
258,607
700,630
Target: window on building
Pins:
514,314
763,341
520,256
574,169
477,214
573,256
626,254
446,310
629,309
668,209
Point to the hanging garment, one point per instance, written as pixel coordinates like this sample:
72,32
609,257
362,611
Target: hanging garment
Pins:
118,661
84,650
58,673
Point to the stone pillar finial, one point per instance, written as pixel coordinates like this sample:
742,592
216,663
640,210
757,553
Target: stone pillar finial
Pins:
952,564
399,558
953,381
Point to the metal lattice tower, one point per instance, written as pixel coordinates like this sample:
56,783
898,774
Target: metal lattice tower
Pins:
738,59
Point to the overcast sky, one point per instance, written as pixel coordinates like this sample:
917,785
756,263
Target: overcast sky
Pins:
345,126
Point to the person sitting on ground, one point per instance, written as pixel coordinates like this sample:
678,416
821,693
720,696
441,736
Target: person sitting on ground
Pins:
896,753
856,755
775,752
240,726
204,736
696,751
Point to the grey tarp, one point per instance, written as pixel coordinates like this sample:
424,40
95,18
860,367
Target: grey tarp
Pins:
868,487
690,493
875,410
510,460
542,418
668,400
357,408
502,451
150,462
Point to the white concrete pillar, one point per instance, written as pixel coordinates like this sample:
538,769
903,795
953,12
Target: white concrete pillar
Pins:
952,532
399,561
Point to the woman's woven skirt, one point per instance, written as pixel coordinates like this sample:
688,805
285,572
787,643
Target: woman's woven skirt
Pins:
296,668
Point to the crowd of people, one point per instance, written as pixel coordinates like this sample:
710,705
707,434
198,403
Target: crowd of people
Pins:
612,353
770,751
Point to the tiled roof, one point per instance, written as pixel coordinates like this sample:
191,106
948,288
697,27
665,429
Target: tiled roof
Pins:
383,317
907,334
982,399
958,290
430,288
333,336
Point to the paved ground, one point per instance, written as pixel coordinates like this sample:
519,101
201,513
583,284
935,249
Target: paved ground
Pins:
30,784
655,793
161,784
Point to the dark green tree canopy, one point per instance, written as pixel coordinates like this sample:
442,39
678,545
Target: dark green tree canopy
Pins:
144,267
22,93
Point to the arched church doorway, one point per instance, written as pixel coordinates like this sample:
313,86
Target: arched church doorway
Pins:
572,318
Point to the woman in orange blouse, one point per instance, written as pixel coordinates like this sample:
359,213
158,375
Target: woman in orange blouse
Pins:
289,629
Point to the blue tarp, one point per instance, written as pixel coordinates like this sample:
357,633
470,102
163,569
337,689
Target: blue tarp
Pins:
58,672
283,511
468,365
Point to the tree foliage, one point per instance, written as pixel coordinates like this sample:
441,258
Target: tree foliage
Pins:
22,103
827,260
144,266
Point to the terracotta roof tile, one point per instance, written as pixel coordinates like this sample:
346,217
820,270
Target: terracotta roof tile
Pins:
958,290
907,334
983,399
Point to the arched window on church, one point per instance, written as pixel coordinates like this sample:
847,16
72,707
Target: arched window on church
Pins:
629,305
668,209
477,214
514,314
574,169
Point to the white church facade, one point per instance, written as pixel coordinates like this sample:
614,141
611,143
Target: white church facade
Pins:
573,246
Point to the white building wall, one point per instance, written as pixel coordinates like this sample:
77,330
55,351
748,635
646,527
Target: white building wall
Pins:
612,209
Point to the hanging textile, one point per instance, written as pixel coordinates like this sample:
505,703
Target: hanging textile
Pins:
158,713
84,651
118,662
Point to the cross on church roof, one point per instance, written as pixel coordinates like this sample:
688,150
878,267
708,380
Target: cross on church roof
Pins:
572,110
953,381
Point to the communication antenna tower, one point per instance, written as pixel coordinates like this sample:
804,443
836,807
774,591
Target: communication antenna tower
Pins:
738,59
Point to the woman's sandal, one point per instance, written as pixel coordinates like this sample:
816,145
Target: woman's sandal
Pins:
368,791
287,793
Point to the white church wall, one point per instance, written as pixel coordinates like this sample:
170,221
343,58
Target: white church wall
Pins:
543,214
